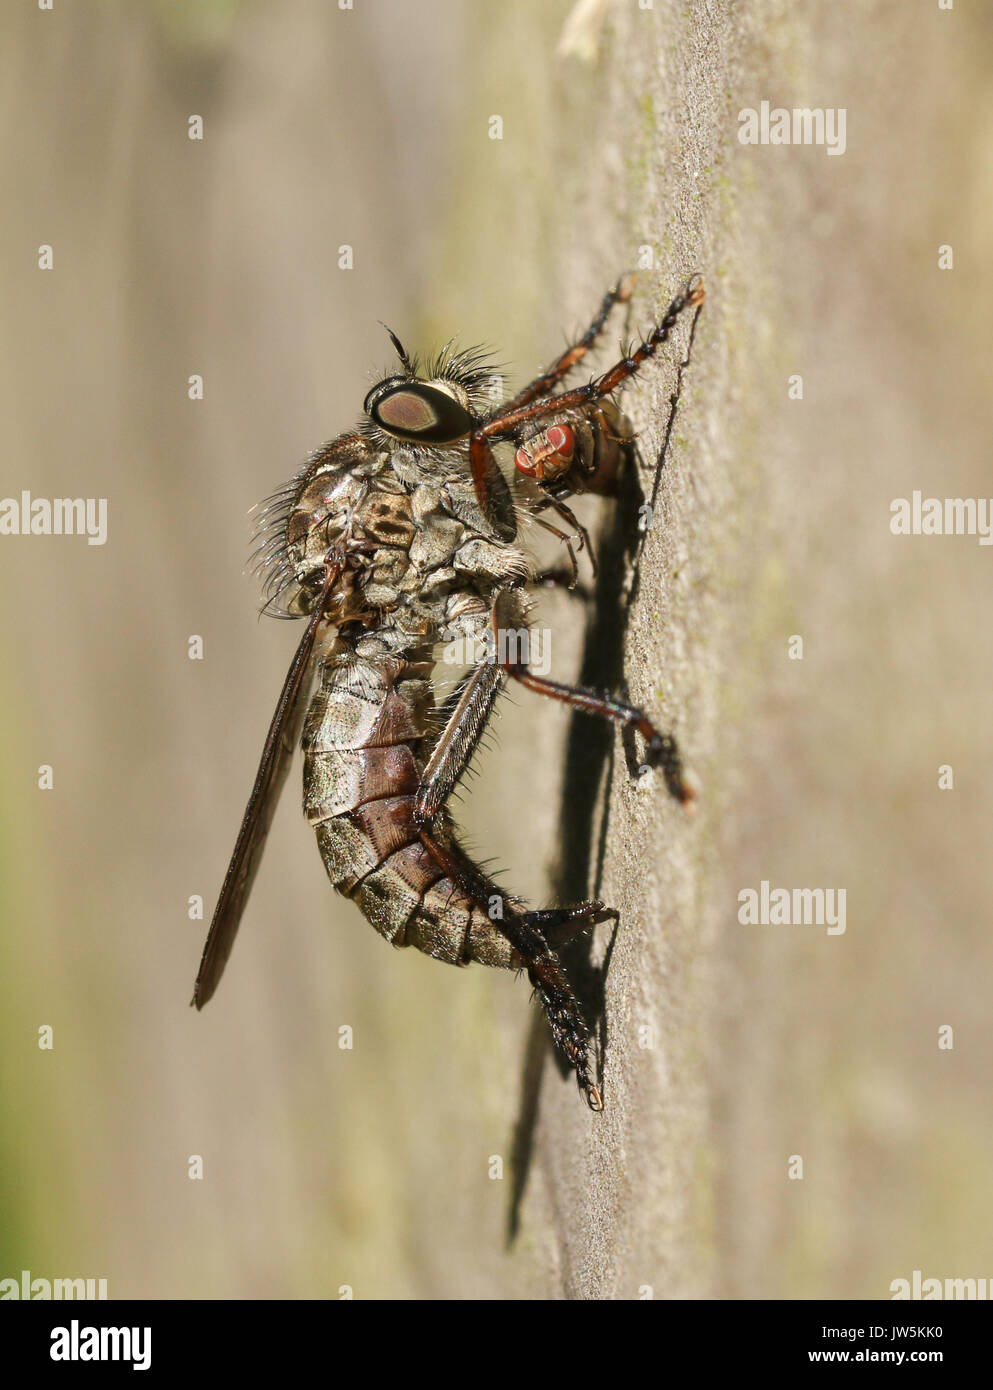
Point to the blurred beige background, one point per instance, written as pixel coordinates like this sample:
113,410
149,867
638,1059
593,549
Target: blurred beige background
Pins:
371,1168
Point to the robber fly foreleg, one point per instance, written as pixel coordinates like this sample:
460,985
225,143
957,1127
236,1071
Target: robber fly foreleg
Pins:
505,422
574,354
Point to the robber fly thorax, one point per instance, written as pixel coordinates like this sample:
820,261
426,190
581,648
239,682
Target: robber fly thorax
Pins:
394,537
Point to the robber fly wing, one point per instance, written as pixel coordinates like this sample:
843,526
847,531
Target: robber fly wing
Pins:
273,767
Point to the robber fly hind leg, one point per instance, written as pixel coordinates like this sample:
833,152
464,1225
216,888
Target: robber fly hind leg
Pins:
467,714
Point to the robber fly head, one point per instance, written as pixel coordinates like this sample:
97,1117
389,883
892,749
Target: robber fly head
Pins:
433,406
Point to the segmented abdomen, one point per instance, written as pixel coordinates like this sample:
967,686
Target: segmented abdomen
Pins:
363,742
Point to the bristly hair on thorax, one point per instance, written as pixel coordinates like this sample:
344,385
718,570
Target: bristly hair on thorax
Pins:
471,369
269,561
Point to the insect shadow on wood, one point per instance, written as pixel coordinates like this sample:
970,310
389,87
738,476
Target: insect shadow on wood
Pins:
589,766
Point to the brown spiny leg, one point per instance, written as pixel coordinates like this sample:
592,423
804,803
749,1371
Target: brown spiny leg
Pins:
568,515
558,925
504,422
570,1030
674,399
661,750
574,354
560,577
492,492
467,714
567,542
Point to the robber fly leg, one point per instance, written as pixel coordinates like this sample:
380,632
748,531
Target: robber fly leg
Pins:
506,420
561,577
465,715
661,750
570,1030
674,400
560,924
575,353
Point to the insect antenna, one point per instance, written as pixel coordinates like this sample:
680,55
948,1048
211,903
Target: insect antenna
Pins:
409,366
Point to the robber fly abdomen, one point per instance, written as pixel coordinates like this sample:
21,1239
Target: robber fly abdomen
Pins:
393,538
363,741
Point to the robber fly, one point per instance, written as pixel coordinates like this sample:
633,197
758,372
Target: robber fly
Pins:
392,536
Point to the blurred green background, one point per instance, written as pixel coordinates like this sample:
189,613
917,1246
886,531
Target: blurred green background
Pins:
370,1168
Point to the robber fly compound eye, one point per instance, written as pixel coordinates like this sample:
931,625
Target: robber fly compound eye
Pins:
412,410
